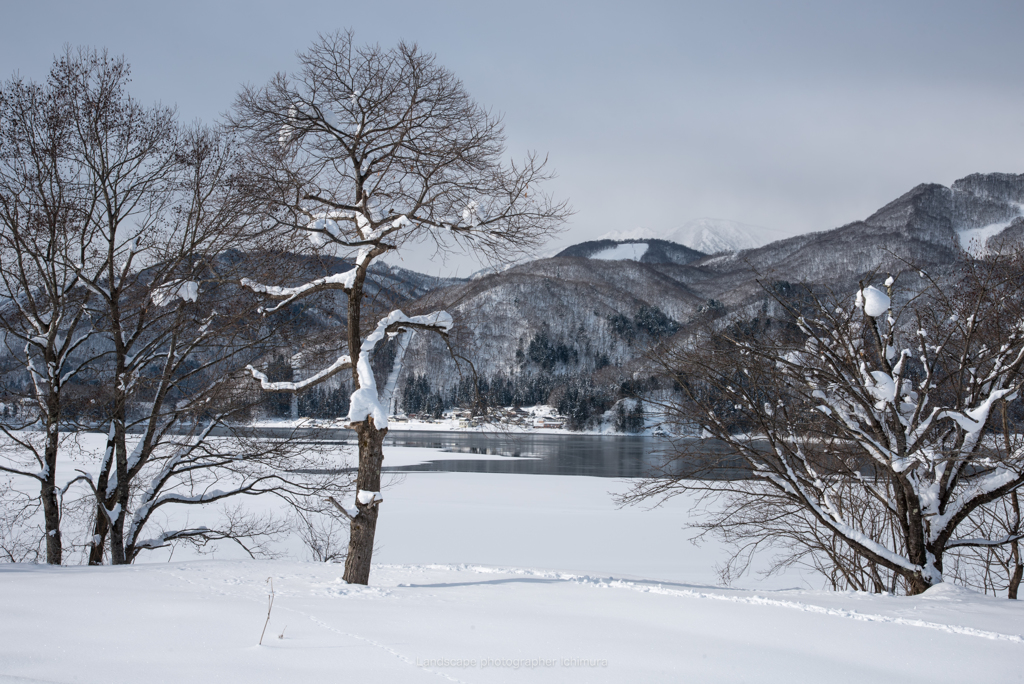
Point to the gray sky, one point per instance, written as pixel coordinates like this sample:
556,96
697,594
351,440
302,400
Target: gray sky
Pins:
796,116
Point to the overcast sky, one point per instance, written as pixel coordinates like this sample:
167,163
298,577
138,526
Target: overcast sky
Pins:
789,115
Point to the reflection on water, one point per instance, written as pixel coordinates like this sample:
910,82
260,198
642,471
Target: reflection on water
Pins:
547,454
541,454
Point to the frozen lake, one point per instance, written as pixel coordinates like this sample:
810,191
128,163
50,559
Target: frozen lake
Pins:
616,456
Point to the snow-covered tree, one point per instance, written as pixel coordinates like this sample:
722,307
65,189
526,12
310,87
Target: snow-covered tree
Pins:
368,150
871,430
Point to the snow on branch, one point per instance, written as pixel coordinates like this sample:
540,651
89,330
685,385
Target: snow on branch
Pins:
873,301
977,542
365,402
165,538
326,225
402,344
349,512
897,413
338,281
363,498
185,290
339,365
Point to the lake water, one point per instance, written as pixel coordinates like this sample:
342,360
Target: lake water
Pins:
616,456
545,454
542,454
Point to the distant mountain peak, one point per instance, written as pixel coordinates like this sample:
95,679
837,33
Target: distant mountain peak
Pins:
638,233
708,235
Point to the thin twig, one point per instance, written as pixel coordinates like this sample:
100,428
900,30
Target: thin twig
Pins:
269,608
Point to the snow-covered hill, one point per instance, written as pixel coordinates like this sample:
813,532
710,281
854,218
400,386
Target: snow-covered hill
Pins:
708,235
988,211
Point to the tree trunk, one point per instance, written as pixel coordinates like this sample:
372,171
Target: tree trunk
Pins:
51,516
51,506
917,584
117,554
1018,570
122,493
1018,563
99,536
100,526
364,526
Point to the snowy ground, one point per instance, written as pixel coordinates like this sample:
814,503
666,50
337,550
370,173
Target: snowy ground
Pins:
508,578
200,621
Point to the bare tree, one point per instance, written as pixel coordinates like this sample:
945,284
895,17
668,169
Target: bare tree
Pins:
988,556
987,567
123,155
322,530
42,304
368,150
20,541
868,427
158,227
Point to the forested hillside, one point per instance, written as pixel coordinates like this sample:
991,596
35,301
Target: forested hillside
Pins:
573,329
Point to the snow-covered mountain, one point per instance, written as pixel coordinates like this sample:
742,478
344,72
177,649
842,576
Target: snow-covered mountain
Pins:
708,235
988,211
583,296
587,313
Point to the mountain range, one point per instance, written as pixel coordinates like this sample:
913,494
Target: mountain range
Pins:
572,329
579,297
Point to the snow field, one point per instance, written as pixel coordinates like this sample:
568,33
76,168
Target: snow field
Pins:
492,578
200,621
